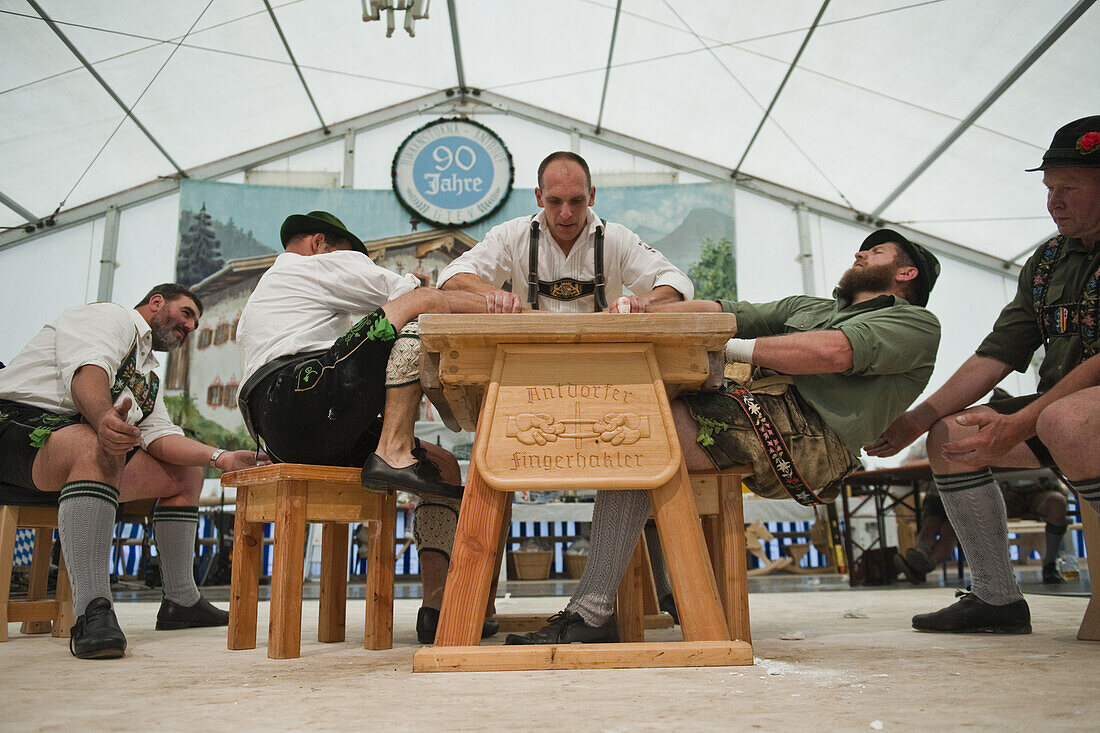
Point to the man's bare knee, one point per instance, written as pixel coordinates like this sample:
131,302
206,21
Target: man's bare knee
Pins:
73,452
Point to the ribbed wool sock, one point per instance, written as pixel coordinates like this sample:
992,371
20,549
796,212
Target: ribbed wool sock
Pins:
976,510
1089,490
657,559
85,521
1054,534
174,530
617,521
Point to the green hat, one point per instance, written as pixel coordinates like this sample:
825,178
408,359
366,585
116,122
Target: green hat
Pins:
318,221
928,267
1076,145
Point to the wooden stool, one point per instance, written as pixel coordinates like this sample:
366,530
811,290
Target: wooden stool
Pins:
38,614
290,495
718,500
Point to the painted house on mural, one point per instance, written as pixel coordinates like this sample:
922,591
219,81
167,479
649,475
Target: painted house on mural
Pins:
204,376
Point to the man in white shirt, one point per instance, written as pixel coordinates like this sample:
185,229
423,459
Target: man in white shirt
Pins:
315,384
81,415
565,259
318,373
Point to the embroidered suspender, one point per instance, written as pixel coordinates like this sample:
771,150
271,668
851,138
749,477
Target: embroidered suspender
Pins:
1080,317
779,456
564,288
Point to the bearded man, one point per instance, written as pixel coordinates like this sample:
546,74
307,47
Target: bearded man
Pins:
83,423
830,374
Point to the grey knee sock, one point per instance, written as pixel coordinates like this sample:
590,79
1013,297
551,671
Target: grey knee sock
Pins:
977,512
657,559
617,521
174,530
85,521
1089,490
1054,534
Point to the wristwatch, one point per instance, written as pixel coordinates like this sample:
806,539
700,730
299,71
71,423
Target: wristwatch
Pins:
214,457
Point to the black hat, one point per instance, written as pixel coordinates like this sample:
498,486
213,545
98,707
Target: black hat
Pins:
928,267
1075,145
318,221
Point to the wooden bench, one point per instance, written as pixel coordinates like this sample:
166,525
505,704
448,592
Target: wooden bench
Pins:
290,495
38,614
1030,536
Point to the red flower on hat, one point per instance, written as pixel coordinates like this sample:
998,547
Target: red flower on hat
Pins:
1088,142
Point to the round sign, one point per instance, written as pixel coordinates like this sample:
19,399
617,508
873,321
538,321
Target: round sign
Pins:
452,172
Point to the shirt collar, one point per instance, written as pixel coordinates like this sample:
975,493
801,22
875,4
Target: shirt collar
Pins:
588,233
879,301
144,337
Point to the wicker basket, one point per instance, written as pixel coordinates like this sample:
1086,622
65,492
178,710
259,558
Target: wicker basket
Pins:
532,564
574,564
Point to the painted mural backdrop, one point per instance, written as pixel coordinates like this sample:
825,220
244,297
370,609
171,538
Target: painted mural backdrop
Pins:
228,233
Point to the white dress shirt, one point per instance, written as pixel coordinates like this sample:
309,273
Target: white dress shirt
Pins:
305,302
102,335
503,255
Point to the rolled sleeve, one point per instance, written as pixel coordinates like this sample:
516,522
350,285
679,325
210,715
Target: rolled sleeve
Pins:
644,268
892,341
1015,335
759,319
490,259
157,424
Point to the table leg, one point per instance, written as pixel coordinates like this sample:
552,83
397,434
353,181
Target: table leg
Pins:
244,582
480,524
630,600
692,577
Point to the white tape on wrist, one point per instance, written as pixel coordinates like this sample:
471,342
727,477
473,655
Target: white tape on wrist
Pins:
740,350
622,305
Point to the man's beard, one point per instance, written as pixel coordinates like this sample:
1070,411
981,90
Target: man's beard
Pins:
165,338
867,279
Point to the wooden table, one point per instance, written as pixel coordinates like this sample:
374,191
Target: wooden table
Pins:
574,402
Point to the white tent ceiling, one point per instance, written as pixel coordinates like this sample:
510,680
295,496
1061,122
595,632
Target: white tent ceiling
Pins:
879,87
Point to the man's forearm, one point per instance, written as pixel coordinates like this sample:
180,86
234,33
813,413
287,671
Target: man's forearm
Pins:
181,451
662,294
812,352
468,282
974,378
687,306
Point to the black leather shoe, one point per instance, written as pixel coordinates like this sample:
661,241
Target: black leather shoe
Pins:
96,633
427,621
972,615
920,560
568,627
173,616
911,573
421,478
1052,575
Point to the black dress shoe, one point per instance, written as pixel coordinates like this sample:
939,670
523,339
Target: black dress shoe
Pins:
173,616
96,633
1052,575
972,615
427,621
568,627
421,478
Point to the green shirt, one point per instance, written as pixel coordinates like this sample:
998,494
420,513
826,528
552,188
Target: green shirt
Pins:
893,352
1016,333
